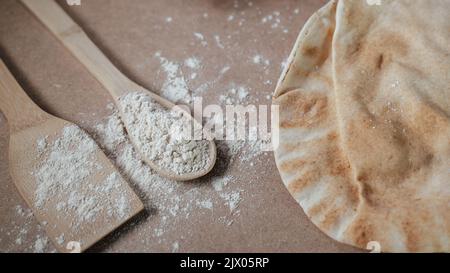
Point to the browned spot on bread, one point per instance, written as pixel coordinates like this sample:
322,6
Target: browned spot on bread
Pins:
326,49
398,150
317,209
329,210
310,51
305,110
380,61
337,162
393,43
377,48
292,165
430,122
356,47
332,137
303,73
307,179
411,236
368,194
353,194
362,177
289,148
331,218
320,55
362,232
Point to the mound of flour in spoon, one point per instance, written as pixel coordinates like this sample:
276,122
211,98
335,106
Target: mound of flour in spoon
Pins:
163,136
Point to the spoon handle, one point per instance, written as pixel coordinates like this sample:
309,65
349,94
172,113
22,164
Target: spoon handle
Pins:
76,40
19,109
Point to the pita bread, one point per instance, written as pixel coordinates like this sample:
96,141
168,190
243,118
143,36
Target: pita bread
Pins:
364,123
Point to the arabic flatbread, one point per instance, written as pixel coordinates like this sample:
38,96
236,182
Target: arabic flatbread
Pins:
365,123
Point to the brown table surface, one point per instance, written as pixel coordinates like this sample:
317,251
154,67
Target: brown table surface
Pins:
130,33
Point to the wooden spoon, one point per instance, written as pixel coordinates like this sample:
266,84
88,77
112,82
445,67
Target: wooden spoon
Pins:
118,85
28,124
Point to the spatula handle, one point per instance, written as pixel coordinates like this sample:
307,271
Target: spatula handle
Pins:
76,40
19,109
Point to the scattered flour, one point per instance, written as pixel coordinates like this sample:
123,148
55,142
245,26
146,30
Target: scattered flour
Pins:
253,146
175,87
41,145
20,211
175,247
225,70
65,181
68,162
61,239
207,204
207,85
218,42
274,19
163,136
235,95
220,183
233,199
192,63
23,233
259,59
201,38
40,244
18,241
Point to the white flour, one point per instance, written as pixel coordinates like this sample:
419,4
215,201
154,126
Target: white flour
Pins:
207,204
65,180
236,95
259,59
40,244
201,38
175,87
192,63
219,42
175,247
220,183
233,199
163,136
158,192
68,161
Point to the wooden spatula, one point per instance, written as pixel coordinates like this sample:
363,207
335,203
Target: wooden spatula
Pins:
78,203
118,85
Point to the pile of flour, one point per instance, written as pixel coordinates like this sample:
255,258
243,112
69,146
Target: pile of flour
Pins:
65,181
163,136
64,163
